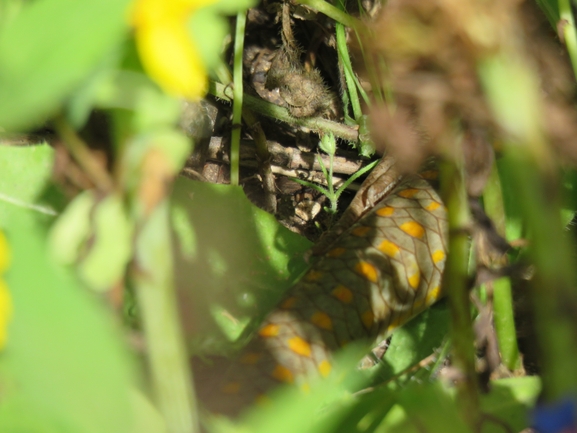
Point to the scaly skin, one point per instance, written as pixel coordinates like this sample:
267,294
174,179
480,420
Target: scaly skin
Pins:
379,274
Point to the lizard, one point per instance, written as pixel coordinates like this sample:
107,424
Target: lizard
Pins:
375,276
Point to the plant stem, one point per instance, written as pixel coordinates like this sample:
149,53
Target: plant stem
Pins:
152,276
502,296
569,33
532,172
455,283
259,106
237,98
262,151
81,153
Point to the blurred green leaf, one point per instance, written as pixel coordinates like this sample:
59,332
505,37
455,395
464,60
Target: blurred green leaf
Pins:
72,229
152,278
569,195
509,401
157,153
25,173
82,101
244,259
9,9
64,363
433,408
367,411
122,89
515,226
415,341
430,407
209,27
147,419
111,245
231,7
96,235
48,49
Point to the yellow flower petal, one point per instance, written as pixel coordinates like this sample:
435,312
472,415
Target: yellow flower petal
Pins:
5,301
5,312
4,253
171,59
165,46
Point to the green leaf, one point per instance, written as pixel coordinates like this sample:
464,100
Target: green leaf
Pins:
242,262
415,341
24,174
82,101
515,227
510,401
64,368
147,417
209,28
431,407
231,7
569,195
110,248
328,143
72,229
97,236
48,49
157,153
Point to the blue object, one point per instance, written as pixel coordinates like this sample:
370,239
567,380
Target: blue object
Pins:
558,417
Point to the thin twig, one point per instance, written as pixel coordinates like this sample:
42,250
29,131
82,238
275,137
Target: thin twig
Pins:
80,152
307,175
288,157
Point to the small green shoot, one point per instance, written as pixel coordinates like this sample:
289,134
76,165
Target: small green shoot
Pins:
328,145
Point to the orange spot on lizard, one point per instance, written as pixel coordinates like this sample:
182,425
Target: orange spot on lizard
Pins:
322,320
385,211
361,231
336,252
368,318
270,330
366,270
299,346
389,248
282,374
342,294
325,368
413,228
408,193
